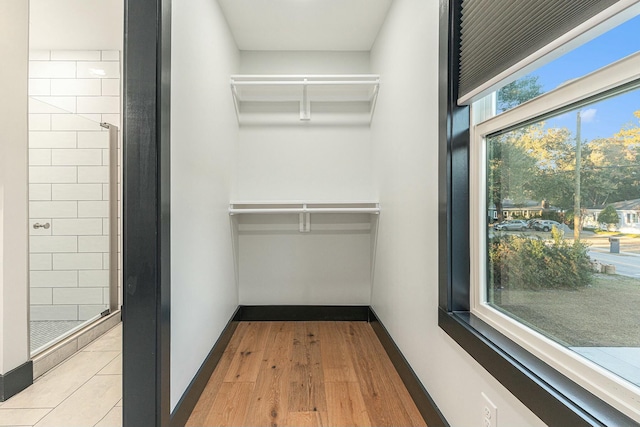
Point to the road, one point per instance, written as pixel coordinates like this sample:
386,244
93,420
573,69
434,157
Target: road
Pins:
626,264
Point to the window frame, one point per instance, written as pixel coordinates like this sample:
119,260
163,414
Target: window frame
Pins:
552,396
592,87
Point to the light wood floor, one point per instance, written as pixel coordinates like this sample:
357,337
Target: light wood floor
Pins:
305,374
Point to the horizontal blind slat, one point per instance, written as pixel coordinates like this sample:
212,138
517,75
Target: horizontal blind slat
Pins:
496,34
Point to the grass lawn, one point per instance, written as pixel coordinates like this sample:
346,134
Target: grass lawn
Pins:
606,314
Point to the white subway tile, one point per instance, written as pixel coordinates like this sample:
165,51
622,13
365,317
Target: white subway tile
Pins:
99,104
76,157
75,122
86,312
39,122
93,139
77,296
52,244
93,209
111,55
77,261
113,119
53,209
40,157
39,192
53,279
39,231
52,140
100,70
105,192
75,55
105,295
39,55
76,192
110,87
93,243
93,174
40,262
58,104
52,174
76,87
106,156
54,312
39,87
93,278
52,70
79,227
105,261
40,296
105,226
37,106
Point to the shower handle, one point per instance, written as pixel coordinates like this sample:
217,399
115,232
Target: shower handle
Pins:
46,225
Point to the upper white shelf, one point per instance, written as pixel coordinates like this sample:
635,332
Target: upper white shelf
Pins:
285,99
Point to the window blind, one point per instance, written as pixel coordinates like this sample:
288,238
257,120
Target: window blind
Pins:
497,34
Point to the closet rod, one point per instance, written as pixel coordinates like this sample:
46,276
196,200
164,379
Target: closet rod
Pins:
233,211
300,83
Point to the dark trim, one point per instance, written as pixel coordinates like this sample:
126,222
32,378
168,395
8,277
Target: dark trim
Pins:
551,396
425,404
16,380
256,313
192,394
146,206
554,398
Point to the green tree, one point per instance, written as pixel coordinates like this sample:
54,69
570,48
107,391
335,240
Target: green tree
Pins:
508,171
518,92
608,216
508,162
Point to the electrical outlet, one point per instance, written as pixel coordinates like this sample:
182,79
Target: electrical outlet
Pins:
489,412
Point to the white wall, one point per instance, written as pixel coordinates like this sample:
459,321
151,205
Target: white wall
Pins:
14,21
76,24
304,162
203,138
405,292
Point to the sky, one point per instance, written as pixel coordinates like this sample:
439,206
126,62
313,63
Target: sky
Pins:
605,118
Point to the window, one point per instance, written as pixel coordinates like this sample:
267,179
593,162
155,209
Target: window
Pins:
547,284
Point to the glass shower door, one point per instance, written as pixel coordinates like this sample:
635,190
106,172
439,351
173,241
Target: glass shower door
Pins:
73,190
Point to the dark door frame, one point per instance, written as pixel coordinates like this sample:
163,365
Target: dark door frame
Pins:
146,208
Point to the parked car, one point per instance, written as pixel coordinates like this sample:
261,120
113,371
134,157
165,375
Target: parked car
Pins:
545,225
511,224
532,222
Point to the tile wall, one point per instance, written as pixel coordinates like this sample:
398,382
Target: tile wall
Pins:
70,93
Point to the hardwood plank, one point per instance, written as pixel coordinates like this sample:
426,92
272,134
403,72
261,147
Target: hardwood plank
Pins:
383,406
336,362
296,361
398,388
345,405
230,406
199,415
268,404
246,362
306,419
306,377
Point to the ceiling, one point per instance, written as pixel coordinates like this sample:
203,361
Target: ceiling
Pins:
305,24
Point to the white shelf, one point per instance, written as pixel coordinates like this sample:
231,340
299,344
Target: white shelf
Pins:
304,210
302,207
273,99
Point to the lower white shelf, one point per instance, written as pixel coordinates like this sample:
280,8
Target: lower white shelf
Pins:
295,207
303,209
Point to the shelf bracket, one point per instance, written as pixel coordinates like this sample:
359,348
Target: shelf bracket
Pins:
304,219
305,103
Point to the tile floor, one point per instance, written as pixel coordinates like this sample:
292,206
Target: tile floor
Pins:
83,391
